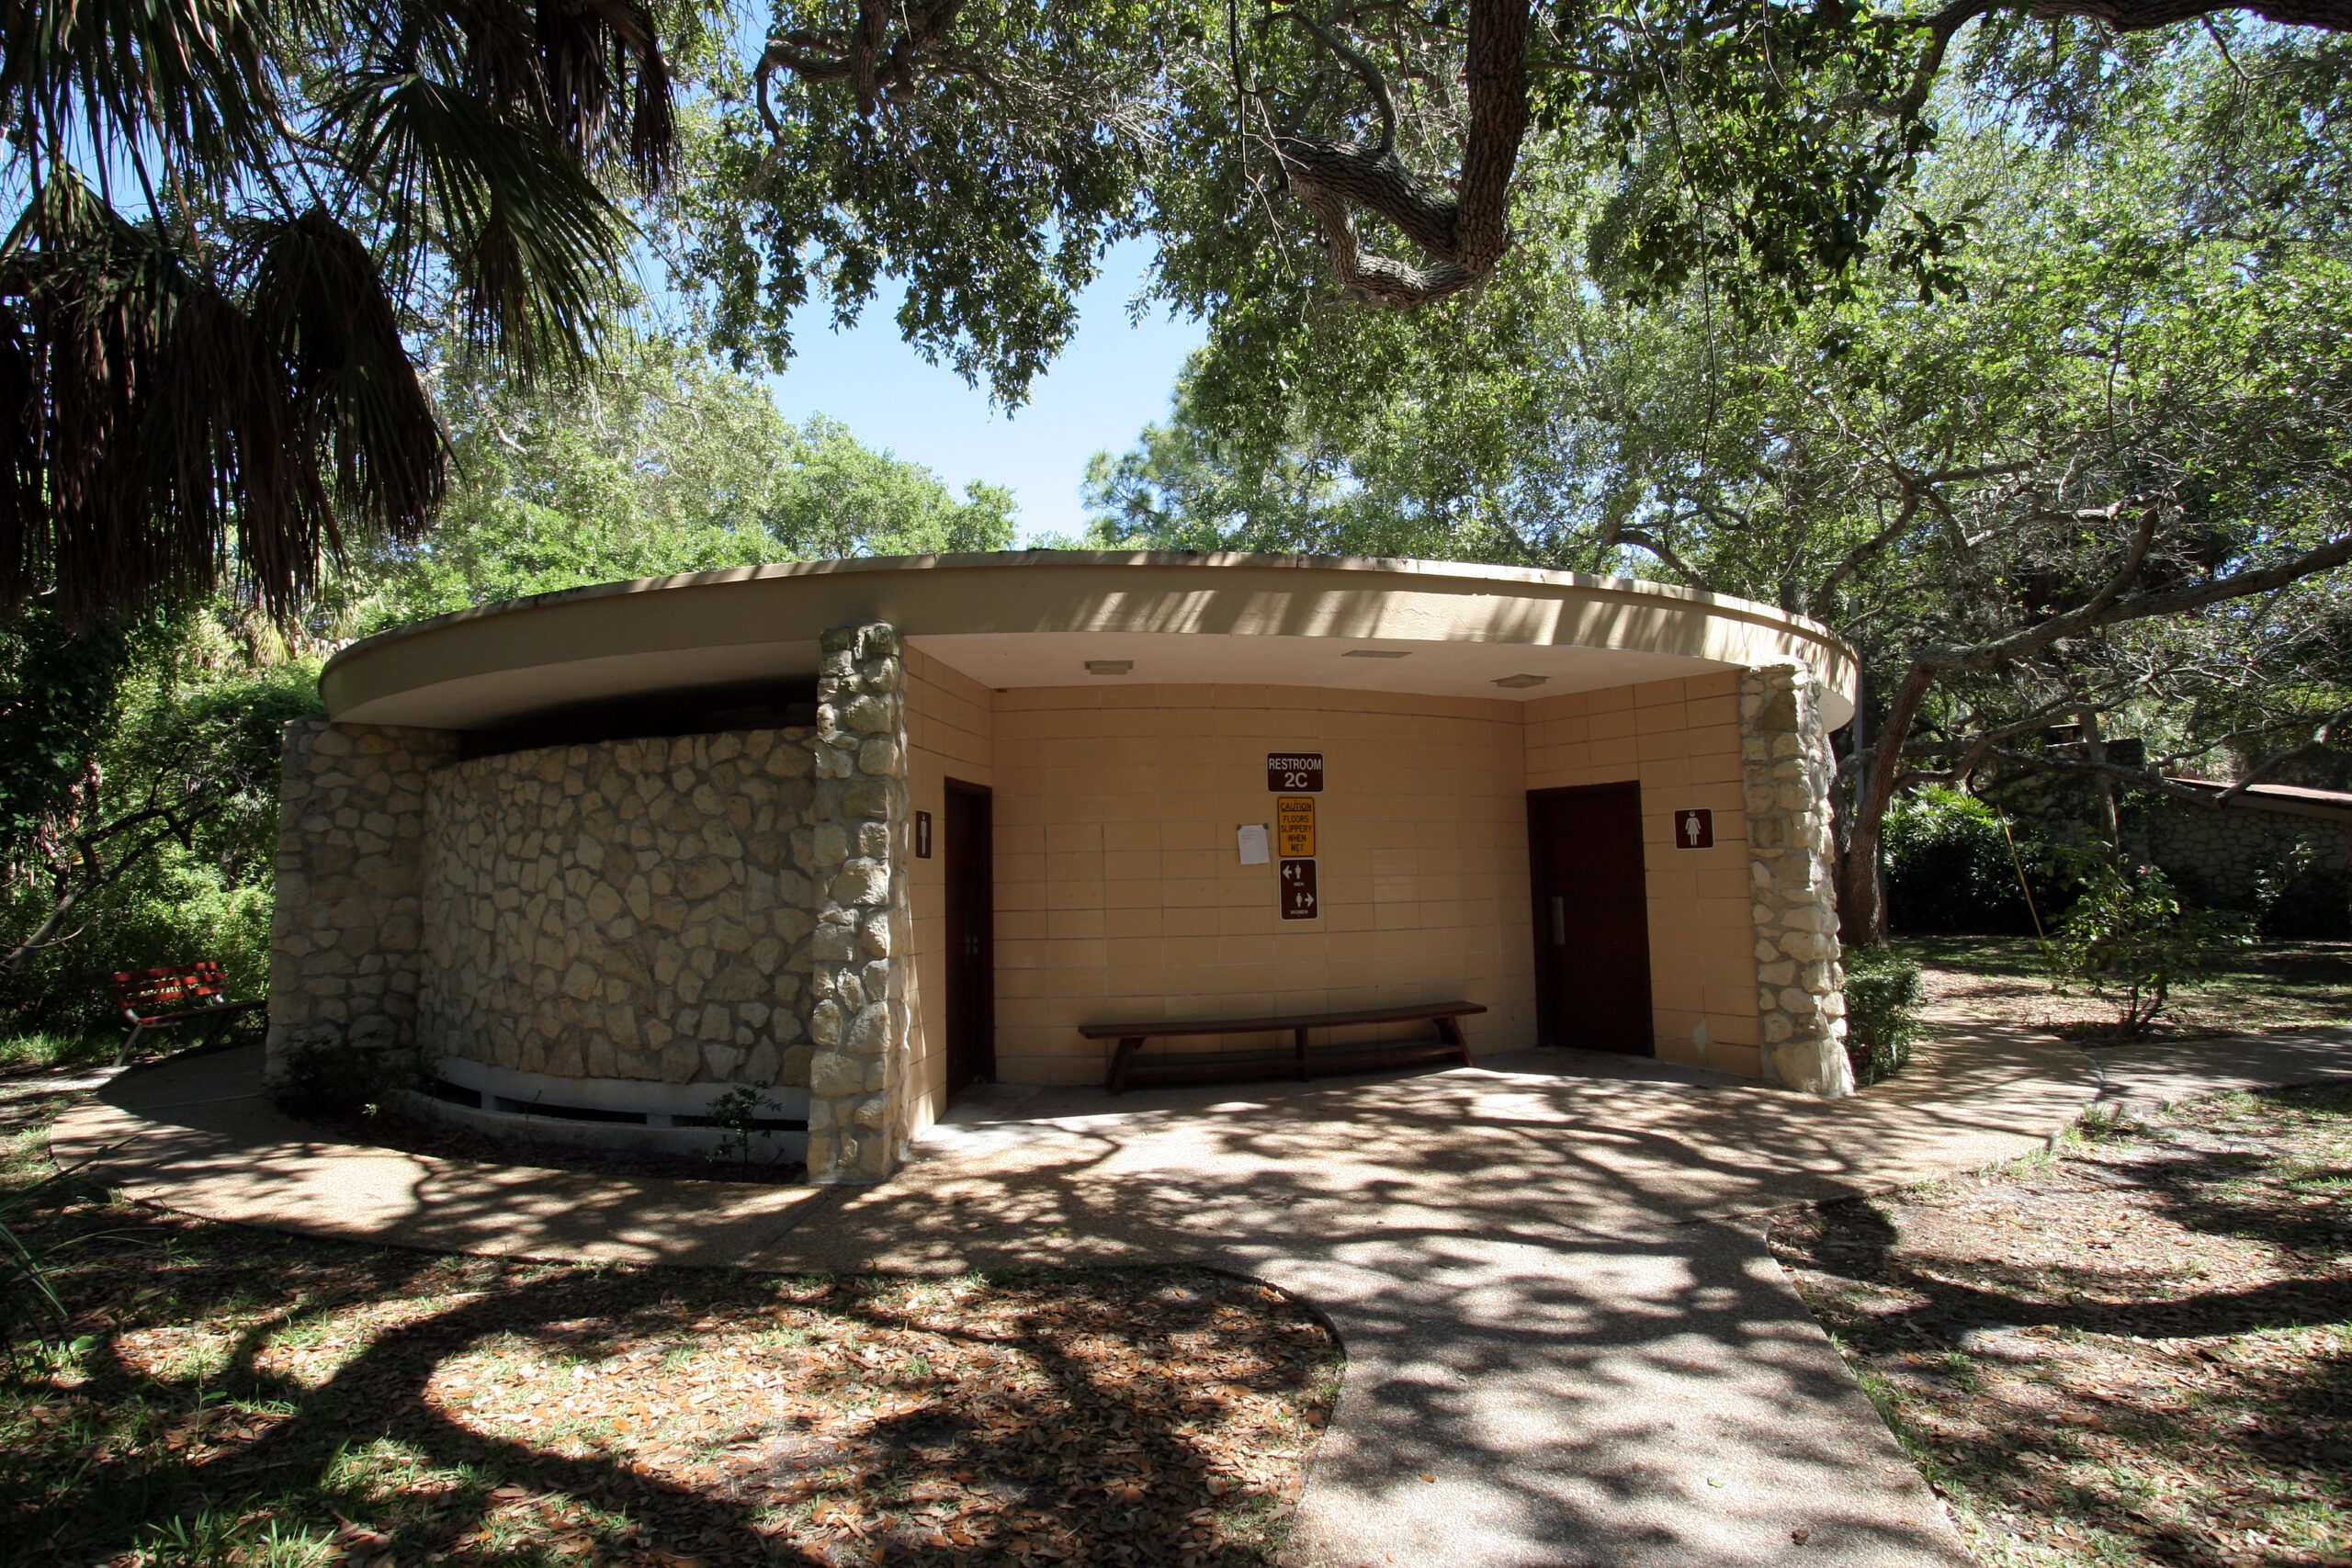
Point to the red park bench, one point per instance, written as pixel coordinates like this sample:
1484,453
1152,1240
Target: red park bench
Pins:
1125,1070
166,998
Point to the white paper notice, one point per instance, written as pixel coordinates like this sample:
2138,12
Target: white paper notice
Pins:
1251,836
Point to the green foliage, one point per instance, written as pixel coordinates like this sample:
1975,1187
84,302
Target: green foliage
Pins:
1748,150
27,1294
1949,868
655,463
987,189
1881,999
58,694
738,1112
2298,900
173,804
2132,942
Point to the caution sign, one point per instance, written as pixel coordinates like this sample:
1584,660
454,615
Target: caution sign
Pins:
1298,890
1294,823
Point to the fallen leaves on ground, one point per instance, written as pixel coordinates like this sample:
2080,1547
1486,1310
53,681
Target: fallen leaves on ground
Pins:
2137,1351
230,1397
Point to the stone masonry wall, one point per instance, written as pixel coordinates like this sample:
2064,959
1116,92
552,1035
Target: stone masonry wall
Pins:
1788,768
2226,856
345,934
632,909
859,1081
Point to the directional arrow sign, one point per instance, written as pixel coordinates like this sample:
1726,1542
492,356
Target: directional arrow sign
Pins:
1298,890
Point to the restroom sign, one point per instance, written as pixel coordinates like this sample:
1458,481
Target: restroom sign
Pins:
1694,829
1295,770
1294,823
1298,890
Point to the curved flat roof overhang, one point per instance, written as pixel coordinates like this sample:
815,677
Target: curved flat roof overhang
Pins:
1037,617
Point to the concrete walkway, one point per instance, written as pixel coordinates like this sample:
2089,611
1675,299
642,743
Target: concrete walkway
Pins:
1566,1341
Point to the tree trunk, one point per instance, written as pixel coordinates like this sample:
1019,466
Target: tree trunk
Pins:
1861,909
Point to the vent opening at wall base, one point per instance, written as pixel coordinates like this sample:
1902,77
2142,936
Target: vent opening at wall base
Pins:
759,1124
566,1113
454,1094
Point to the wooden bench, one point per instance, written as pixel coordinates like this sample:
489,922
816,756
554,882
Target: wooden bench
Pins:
166,998
1447,1047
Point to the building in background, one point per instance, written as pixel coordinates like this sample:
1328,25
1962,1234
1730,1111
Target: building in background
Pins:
870,830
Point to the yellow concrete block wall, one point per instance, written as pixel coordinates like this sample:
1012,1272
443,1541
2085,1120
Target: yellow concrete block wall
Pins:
950,734
1680,739
1120,894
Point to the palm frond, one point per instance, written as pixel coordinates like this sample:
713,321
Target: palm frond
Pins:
601,61
191,77
155,436
591,71
534,247
321,297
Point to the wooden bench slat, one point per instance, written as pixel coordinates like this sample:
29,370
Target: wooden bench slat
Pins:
1449,1043
138,994
1153,1028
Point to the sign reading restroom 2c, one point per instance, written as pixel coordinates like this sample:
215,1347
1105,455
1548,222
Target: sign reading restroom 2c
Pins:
1295,770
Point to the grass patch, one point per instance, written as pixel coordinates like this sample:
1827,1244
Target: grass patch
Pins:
48,1050
2249,991
2135,1349
222,1397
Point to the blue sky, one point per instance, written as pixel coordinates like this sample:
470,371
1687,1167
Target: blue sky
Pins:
1113,381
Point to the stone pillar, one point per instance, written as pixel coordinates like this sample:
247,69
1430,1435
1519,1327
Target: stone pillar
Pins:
1785,758
347,933
857,853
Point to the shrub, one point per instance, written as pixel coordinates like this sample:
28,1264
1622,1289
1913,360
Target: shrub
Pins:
1948,867
2132,941
332,1082
737,1110
1881,1001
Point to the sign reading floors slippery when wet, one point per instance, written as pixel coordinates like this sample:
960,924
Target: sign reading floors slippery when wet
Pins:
1294,829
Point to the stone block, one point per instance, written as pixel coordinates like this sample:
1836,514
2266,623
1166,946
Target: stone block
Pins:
834,1074
866,797
869,1033
863,882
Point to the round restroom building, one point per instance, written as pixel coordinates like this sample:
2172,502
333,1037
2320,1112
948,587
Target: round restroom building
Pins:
859,833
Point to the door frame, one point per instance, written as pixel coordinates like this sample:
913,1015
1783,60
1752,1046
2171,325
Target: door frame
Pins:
982,861
1547,1032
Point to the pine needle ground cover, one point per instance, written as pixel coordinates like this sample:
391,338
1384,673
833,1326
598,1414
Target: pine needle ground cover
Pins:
224,1396
2136,1350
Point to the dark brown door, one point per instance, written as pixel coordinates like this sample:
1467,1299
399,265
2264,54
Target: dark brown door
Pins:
967,836
1593,927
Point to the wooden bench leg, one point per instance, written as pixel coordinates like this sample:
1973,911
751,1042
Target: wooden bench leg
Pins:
1121,1060
1298,1042
1450,1031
